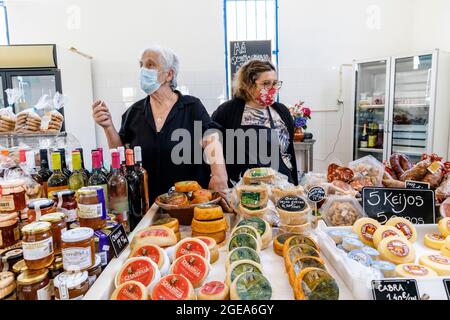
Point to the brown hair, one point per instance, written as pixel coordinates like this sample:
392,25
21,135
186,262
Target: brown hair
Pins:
246,76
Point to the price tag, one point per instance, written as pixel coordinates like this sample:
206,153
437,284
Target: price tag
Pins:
417,185
119,240
395,290
316,194
447,287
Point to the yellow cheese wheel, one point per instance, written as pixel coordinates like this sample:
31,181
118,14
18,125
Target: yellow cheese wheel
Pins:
209,226
252,212
208,213
410,270
158,235
171,223
434,241
241,266
445,251
213,248
406,227
397,250
218,236
384,232
437,262
278,242
365,229
247,229
444,227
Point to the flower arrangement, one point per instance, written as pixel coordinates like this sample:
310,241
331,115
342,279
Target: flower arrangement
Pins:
301,114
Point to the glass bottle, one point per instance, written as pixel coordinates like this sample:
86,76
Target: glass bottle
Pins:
134,188
143,176
58,180
83,168
97,177
44,171
77,179
363,143
64,168
123,166
102,163
34,188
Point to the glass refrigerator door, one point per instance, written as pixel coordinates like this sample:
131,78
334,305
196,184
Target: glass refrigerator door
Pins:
370,109
411,112
33,87
2,90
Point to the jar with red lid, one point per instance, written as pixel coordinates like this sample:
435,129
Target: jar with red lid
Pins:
59,226
66,203
91,208
9,230
40,207
12,196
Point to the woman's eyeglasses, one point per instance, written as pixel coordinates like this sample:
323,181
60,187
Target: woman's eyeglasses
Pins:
272,84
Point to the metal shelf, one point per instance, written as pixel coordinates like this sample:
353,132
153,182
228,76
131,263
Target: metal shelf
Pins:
373,150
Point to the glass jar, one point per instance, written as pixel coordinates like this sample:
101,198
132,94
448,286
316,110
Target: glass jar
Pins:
78,249
37,244
40,207
9,258
9,230
55,269
59,226
71,286
66,202
13,196
91,208
7,286
34,285
95,271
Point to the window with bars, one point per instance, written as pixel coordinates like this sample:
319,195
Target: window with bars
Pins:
4,31
247,20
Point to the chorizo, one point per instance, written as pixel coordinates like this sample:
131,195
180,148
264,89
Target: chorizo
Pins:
435,179
418,172
394,160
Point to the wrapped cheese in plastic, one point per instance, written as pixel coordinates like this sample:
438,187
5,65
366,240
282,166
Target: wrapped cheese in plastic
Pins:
341,211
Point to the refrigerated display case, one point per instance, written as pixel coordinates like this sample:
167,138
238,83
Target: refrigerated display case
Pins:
402,104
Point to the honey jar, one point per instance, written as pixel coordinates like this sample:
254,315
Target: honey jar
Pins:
9,258
34,285
71,286
66,203
9,229
13,196
37,245
59,226
78,249
95,271
40,207
91,208
7,286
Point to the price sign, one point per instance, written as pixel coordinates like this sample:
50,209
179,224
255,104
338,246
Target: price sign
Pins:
316,194
417,185
119,240
447,287
292,204
395,290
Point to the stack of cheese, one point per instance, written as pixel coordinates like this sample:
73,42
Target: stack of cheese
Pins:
294,213
306,269
209,221
171,223
253,200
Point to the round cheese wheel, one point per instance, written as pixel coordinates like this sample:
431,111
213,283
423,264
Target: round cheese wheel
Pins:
257,175
397,250
173,287
194,267
302,263
445,251
444,227
263,227
434,241
385,267
213,248
253,196
244,240
218,236
243,253
384,232
131,290
279,241
170,223
338,235
365,229
300,229
209,226
208,213
159,235
150,251
406,227
239,267
300,250
140,269
437,262
247,230
246,212
315,284
300,239
191,245
350,244
214,290
410,270
251,286
187,186
291,215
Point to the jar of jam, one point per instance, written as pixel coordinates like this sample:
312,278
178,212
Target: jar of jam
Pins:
71,286
39,207
34,285
59,226
91,207
37,244
13,196
95,271
19,267
78,249
55,269
66,203
7,286
9,230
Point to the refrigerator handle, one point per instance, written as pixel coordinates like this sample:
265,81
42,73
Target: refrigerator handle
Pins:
386,126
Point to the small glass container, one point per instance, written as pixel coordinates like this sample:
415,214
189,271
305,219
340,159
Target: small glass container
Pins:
71,286
9,230
37,244
91,208
19,267
40,207
9,258
78,249
66,202
34,285
7,286
59,226
13,196
55,269
95,271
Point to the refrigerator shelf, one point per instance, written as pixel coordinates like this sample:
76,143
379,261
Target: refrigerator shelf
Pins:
371,150
413,105
372,106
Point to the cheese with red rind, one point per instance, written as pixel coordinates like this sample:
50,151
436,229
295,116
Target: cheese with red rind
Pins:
194,267
214,290
159,235
140,269
130,291
173,287
191,245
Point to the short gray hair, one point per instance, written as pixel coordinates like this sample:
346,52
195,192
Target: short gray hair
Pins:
169,61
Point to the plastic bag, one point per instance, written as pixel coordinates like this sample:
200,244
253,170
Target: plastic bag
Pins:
52,119
7,120
314,180
443,191
368,172
28,121
341,188
13,96
341,211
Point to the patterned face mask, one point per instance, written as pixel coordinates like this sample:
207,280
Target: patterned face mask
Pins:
266,97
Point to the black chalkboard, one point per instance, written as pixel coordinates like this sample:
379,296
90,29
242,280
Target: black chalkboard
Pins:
447,287
243,51
316,194
417,185
119,240
415,205
395,290
292,204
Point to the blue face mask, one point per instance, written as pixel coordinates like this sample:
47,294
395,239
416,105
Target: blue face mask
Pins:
149,80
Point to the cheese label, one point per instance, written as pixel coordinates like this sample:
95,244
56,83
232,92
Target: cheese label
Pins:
436,237
189,247
434,167
138,270
130,291
398,248
250,198
213,288
404,228
149,251
192,266
162,233
440,259
387,233
416,270
171,287
367,231
259,172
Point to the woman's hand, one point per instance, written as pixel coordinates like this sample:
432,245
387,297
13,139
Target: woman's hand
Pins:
101,115
218,183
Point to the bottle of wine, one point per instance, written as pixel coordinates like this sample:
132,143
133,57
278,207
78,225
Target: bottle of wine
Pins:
118,193
44,171
134,191
34,187
97,177
77,179
143,176
58,180
102,163
123,166
380,136
372,140
86,173
363,142
64,168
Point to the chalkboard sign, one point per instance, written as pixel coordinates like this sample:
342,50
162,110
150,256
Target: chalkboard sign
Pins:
384,203
316,194
119,240
395,290
243,51
447,287
417,185
292,204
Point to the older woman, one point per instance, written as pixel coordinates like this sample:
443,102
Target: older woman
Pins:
153,123
254,109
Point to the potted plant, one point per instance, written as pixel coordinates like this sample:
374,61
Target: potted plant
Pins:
301,114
